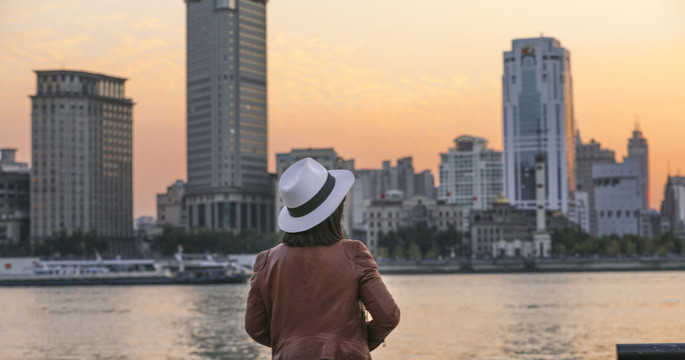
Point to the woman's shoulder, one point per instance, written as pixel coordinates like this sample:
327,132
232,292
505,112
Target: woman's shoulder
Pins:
357,251
262,257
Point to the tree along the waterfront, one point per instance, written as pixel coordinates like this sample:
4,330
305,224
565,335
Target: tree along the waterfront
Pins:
420,242
573,241
78,244
12,249
218,241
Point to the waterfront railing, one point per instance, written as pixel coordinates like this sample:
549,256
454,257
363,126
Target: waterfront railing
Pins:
672,351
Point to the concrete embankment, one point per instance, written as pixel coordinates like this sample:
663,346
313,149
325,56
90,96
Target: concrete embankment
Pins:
515,265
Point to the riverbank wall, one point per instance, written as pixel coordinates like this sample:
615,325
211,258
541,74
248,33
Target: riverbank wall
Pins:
521,265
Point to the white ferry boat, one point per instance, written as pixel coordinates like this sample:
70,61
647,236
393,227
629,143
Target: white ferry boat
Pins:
182,269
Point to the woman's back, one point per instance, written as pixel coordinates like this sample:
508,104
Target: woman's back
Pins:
311,302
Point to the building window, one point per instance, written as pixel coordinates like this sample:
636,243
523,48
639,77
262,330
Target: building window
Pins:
225,4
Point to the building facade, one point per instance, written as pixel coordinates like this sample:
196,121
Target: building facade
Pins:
501,223
14,198
228,183
505,230
145,223
424,184
582,210
618,203
470,173
587,155
81,136
673,205
171,206
537,114
395,211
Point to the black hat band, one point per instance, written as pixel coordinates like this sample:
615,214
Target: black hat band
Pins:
315,201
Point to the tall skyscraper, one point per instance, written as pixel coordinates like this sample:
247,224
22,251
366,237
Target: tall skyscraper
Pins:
673,205
639,150
81,175
537,113
470,173
587,155
228,183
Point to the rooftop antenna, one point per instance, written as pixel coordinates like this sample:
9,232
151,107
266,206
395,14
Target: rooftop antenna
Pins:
668,167
637,122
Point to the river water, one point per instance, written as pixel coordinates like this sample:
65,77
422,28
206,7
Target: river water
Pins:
493,316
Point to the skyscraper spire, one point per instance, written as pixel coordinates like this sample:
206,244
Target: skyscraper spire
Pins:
637,124
638,149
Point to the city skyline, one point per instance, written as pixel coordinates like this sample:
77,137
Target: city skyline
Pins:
375,81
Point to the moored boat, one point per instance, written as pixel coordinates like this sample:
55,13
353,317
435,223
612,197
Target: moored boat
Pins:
187,270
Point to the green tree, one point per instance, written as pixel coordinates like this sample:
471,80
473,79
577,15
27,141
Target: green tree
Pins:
613,248
571,240
79,244
390,242
448,240
399,252
382,253
631,248
413,251
422,236
215,241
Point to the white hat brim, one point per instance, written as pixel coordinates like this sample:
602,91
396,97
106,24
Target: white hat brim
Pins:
344,180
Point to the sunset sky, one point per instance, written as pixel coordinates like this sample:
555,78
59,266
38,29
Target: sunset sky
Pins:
375,80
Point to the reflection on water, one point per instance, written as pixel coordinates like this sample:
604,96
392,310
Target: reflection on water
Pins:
516,316
534,316
140,322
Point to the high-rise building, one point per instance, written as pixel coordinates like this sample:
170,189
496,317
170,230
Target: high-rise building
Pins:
673,205
537,114
228,183
401,177
470,173
587,155
424,184
14,198
639,150
81,174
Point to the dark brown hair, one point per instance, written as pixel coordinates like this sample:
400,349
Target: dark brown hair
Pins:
326,233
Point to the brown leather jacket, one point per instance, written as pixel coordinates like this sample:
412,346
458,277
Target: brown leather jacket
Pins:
304,302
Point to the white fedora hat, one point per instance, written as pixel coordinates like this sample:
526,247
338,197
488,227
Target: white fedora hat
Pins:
310,194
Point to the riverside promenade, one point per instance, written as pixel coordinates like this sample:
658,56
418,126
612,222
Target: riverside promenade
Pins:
520,265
